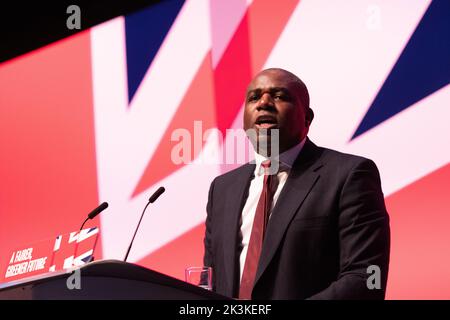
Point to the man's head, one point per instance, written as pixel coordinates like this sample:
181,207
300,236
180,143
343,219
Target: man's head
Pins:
278,99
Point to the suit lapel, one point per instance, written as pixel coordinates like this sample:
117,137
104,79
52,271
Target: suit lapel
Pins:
236,196
301,180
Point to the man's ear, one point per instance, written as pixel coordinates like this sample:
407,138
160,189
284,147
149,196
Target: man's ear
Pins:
309,117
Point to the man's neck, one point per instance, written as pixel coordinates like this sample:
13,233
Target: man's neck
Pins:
288,156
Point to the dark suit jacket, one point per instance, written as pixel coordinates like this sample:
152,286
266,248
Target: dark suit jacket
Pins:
327,227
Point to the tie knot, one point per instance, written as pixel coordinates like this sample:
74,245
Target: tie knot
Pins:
266,167
266,164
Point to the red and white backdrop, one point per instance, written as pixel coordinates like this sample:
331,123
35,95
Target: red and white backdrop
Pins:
89,119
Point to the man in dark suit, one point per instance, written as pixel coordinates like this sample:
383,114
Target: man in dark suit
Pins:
315,229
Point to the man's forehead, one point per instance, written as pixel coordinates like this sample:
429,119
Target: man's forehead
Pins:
271,79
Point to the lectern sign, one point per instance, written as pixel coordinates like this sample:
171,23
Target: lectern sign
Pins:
66,251
28,261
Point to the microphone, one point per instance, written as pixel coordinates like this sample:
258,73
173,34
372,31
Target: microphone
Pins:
90,216
95,212
152,199
156,195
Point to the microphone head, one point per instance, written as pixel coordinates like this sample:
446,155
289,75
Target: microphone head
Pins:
97,210
103,206
156,195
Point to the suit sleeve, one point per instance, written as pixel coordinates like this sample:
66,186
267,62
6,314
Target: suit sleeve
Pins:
208,258
364,237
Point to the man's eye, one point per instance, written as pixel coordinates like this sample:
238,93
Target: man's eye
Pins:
282,97
253,98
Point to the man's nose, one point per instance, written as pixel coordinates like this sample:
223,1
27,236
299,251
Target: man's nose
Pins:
265,102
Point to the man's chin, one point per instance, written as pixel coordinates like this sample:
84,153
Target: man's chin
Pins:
267,146
264,141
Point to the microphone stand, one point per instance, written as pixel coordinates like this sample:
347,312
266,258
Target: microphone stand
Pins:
152,199
135,231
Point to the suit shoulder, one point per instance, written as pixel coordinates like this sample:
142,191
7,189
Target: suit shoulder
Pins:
345,160
345,167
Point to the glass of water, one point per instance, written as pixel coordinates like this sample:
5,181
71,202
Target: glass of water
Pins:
199,276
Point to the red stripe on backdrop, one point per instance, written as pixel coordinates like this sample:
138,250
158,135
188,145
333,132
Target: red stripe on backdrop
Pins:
246,54
232,76
47,166
267,20
420,238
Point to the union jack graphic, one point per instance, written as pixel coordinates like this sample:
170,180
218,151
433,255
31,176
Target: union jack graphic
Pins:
74,249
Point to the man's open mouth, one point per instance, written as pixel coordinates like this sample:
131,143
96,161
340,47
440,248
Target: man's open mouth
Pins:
266,122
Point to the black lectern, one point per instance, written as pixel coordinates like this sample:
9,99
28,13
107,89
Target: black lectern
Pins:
106,279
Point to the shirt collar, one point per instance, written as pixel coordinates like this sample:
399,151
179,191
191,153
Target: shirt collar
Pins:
286,159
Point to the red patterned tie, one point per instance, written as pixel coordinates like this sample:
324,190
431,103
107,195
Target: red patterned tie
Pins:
257,235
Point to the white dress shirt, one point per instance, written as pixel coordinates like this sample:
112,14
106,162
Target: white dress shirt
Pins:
286,160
